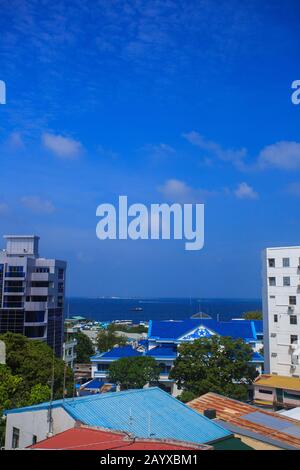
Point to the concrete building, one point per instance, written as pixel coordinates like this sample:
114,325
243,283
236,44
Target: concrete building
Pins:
281,309
277,391
32,292
69,352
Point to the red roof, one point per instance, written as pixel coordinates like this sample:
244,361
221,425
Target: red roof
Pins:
87,438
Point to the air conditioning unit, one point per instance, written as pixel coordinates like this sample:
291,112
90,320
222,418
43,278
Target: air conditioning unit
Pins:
273,335
291,308
274,354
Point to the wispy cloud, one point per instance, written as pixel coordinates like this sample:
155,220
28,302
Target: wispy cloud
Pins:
244,191
175,190
37,205
234,156
159,151
284,155
61,146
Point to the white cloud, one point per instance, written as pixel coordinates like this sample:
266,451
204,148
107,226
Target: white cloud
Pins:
15,141
235,156
37,205
62,147
178,191
244,191
159,150
284,155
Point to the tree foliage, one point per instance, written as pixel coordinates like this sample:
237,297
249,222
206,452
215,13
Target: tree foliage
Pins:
216,364
253,315
134,372
84,348
107,339
33,362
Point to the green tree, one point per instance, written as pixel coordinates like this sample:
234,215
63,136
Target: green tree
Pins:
38,394
11,389
107,339
253,315
84,348
216,364
33,362
134,372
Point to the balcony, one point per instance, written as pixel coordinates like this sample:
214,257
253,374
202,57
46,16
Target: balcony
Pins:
15,274
101,374
35,306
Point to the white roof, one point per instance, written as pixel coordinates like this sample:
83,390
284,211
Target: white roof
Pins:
293,413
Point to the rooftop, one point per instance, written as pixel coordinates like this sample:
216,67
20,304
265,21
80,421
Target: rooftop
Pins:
251,421
148,412
193,329
87,438
278,381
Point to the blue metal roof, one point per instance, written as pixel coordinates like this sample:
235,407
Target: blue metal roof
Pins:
117,353
174,330
258,326
162,352
93,384
145,412
256,357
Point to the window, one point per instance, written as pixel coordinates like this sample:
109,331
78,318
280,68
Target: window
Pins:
286,281
275,318
271,262
293,319
294,339
293,396
15,438
292,300
267,392
272,281
41,270
286,262
34,439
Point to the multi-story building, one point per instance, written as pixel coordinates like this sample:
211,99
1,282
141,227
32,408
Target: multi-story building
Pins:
69,352
281,308
32,292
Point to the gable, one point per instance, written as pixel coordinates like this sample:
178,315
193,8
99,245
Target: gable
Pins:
199,332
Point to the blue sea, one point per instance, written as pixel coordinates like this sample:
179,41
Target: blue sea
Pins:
107,309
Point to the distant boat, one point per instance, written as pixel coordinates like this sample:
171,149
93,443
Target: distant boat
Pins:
136,309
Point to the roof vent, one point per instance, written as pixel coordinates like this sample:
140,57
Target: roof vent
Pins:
210,413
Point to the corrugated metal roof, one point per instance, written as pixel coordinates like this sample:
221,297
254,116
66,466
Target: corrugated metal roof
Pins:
148,412
278,381
264,424
87,438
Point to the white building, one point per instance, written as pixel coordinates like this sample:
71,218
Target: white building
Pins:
32,292
69,352
281,309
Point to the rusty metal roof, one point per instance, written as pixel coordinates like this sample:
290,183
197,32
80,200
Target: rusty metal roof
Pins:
264,425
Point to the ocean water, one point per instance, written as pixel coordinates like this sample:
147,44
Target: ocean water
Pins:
106,309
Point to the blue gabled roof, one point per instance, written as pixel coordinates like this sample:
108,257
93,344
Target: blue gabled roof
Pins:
258,326
117,353
141,411
162,352
174,330
256,357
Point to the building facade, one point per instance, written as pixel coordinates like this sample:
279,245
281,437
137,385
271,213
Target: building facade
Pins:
164,338
281,310
32,291
69,352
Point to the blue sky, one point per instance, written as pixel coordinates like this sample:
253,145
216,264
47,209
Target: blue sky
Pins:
163,101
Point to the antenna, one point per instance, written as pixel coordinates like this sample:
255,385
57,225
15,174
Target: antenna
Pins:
50,417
